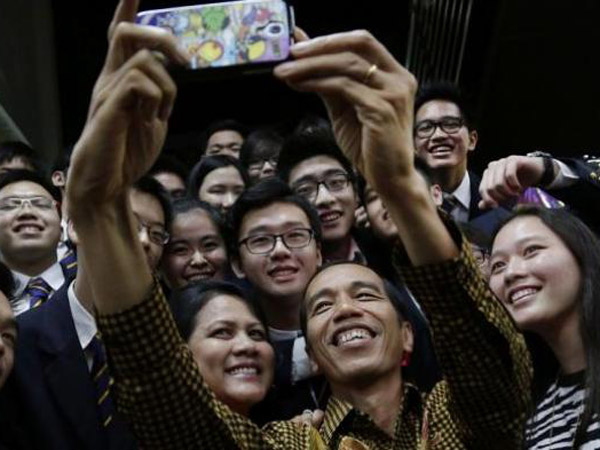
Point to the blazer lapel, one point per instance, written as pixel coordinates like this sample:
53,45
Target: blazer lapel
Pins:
67,373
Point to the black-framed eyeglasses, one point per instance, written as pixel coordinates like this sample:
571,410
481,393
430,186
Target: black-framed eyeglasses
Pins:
334,182
40,203
261,244
257,165
156,233
449,125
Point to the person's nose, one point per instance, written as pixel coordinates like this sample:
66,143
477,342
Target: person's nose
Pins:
516,269
228,200
198,258
280,250
268,170
346,308
244,344
323,196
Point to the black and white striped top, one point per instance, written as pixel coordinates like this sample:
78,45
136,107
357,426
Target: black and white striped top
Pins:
556,417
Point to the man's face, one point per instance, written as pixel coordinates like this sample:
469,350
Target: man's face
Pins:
29,223
443,149
225,142
151,223
282,272
172,183
335,206
353,331
8,338
15,163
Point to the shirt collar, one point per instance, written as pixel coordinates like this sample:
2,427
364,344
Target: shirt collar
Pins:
53,275
283,335
463,192
85,324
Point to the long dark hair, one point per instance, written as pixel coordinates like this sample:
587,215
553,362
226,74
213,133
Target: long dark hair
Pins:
585,247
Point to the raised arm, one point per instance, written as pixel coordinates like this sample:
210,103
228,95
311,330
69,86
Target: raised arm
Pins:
125,129
370,97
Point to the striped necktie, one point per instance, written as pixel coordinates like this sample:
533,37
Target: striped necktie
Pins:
68,263
38,291
102,381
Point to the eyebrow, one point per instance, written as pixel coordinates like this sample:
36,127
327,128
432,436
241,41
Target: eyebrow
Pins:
311,177
286,225
354,286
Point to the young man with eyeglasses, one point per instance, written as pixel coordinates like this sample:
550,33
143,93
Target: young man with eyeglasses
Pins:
277,247
315,169
62,387
29,235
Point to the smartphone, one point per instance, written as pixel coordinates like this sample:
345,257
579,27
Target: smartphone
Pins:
246,36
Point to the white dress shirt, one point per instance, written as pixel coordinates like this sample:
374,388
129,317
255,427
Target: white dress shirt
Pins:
85,324
53,276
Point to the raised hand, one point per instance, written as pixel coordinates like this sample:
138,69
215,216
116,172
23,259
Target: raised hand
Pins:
369,97
507,178
129,110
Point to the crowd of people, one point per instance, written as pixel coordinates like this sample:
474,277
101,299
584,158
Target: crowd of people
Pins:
351,285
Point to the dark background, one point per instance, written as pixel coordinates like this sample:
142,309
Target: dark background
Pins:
530,67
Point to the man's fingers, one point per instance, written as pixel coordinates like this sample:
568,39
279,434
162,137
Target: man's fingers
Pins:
360,42
300,35
125,12
321,66
129,38
512,176
147,62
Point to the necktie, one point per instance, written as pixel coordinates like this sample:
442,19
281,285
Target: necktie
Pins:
102,381
38,291
68,263
451,205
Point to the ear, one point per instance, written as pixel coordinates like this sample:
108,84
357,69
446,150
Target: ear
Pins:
237,268
314,367
473,137
72,233
407,337
58,178
436,194
319,255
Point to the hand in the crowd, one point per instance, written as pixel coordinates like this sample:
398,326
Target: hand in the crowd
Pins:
308,417
507,178
369,97
130,106
361,220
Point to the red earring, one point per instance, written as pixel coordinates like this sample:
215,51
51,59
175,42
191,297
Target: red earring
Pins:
405,359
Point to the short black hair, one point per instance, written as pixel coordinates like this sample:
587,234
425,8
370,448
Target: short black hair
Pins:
187,204
221,125
209,163
447,92
260,144
150,186
7,282
402,310
188,301
10,150
303,145
17,175
169,164
265,193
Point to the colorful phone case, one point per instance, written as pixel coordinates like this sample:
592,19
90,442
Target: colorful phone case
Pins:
228,34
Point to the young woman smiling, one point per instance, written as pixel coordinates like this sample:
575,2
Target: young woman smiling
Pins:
545,267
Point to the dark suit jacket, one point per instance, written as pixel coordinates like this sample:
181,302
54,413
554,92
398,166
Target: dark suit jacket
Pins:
487,220
582,198
55,397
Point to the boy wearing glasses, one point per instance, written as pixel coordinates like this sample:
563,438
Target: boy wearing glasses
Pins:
314,167
29,235
277,248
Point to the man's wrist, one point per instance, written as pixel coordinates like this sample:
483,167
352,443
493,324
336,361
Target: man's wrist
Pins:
549,171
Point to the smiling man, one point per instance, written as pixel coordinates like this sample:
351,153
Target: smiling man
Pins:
315,168
29,235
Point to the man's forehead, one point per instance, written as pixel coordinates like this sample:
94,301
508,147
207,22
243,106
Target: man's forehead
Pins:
24,188
315,167
434,109
343,276
274,217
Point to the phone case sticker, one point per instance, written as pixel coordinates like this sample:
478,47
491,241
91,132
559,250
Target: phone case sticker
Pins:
220,35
